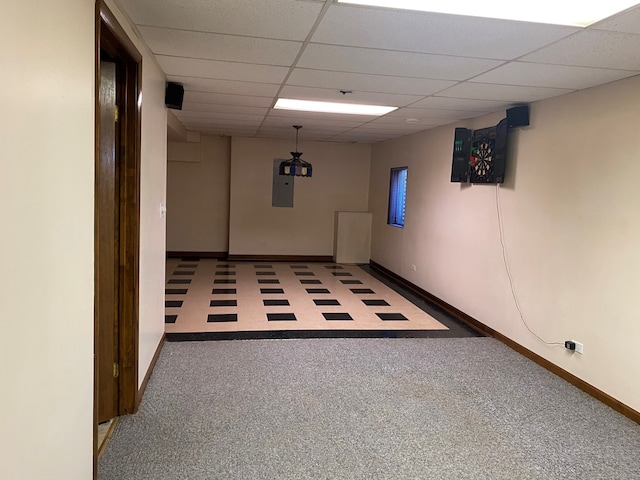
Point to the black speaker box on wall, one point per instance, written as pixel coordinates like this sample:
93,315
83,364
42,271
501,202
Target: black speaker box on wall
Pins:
518,116
173,95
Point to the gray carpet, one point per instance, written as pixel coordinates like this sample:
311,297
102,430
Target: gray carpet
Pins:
465,408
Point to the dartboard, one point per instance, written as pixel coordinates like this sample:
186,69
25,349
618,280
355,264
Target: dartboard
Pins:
483,157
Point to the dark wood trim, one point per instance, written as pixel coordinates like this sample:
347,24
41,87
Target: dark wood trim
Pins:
543,362
115,43
282,258
102,447
109,20
459,314
152,365
96,141
197,254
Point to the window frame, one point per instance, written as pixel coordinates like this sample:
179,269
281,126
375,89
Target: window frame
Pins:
397,193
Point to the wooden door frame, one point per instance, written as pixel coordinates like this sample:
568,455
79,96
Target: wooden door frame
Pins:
112,39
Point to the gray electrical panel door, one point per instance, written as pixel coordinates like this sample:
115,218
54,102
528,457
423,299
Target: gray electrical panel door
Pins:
282,192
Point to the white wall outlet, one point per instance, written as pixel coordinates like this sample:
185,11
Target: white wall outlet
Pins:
413,268
263,243
579,347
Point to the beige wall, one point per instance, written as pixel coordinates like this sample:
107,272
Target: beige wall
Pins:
47,192
198,195
571,209
46,207
340,182
153,176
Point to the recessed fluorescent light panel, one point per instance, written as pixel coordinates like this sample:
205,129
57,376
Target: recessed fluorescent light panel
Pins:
578,13
332,107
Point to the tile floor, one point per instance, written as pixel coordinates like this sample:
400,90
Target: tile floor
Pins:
209,296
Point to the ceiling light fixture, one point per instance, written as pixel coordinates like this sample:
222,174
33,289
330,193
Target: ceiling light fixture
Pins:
577,13
295,166
332,107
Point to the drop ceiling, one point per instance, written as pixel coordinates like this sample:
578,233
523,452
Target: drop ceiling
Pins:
236,57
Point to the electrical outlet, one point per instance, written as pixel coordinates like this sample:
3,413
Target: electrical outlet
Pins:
574,346
263,243
413,268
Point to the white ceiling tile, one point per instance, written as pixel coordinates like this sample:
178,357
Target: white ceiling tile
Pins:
432,113
221,116
286,19
213,46
466,104
592,48
309,123
308,135
358,97
224,99
366,83
219,122
208,110
545,75
628,22
319,115
507,93
226,86
434,33
230,132
194,67
391,128
414,123
386,62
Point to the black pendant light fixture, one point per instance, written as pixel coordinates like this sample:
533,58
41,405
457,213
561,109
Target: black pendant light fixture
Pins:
295,166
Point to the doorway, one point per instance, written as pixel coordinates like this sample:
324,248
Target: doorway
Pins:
117,220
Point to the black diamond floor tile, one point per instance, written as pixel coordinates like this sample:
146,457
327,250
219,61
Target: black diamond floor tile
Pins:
187,265
310,282
222,317
328,302
304,274
180,272
341,274
223,303
223,291
226,272
351,282
173,303
391,316
317,290
263,266
268,280
362,290
229,281
175,291
265,273
299,266
334,267
280,317
275,303
271,290
179,281
375,303
337,316
170,318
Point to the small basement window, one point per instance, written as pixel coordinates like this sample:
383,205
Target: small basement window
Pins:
397,196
